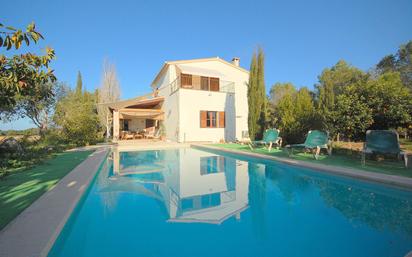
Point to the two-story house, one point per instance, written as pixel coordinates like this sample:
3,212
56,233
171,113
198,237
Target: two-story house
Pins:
191,100
197,186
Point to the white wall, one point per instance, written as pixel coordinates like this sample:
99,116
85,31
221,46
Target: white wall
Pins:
171,104
240,78
194,101
185,180
182,108
191,182
236,109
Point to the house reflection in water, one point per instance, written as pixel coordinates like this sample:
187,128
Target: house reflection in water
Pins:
194,186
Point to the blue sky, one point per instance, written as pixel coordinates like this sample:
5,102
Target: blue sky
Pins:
300,38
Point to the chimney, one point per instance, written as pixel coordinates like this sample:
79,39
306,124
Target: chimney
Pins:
236,61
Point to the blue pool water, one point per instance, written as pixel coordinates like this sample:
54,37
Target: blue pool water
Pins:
187,202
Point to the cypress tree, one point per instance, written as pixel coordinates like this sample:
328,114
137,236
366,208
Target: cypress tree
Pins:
79,84
257,96
252,98
261,91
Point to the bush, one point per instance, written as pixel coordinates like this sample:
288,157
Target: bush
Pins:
294,113
77,117
28,151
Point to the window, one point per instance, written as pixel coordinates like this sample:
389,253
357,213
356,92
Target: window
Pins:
209,84
187,204
125,125
209,165
221,119
204,83
214,84
212,164
150,123
186,80
210,200
200,202
212,119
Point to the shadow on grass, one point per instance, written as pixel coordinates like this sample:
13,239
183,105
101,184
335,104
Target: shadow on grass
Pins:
22,188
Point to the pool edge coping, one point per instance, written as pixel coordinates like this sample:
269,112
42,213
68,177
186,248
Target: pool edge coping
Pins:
32,233
390,180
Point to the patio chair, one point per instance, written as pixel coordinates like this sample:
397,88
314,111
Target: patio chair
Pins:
157,134
137,135
315,141
128,135
385,142
270,137
123,134
153,134
150,132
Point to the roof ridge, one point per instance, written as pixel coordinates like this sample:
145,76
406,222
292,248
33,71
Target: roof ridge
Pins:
193,60
196,60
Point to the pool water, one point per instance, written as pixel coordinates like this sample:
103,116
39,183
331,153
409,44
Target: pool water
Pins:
188,202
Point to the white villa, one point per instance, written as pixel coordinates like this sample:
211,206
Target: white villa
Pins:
191,100
193,186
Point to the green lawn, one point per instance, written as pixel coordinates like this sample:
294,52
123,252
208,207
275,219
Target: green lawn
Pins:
406,144
22,188
338,158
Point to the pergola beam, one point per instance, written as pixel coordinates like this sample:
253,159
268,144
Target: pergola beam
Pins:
158,116
126,110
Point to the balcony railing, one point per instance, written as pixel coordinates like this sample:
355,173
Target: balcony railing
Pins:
224,86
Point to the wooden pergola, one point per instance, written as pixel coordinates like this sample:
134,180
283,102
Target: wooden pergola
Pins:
144,107
154,114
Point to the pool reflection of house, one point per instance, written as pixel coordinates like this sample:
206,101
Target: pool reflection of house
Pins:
195,186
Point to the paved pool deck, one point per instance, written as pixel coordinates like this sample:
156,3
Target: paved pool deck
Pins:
390,180
139,145
33,232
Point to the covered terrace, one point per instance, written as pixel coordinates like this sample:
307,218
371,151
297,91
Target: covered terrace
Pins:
137,118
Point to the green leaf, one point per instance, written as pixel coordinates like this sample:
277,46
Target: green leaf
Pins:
1,40
9,43
40,35
17,44
30,27
11,28
34,36
26,39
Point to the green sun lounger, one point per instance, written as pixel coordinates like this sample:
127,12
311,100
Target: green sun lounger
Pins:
385,142
270,137
315,141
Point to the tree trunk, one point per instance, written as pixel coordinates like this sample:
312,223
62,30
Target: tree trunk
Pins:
43,125
42,130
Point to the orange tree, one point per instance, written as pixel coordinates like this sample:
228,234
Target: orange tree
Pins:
21,74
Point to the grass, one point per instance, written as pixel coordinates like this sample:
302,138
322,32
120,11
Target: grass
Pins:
22,187
28,152
341,157
406,145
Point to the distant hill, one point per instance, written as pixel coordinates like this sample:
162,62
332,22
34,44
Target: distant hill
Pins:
24,132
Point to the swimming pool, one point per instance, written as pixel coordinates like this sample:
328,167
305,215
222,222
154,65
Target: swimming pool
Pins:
188,202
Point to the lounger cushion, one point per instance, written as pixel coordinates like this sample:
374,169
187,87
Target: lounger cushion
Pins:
382,141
